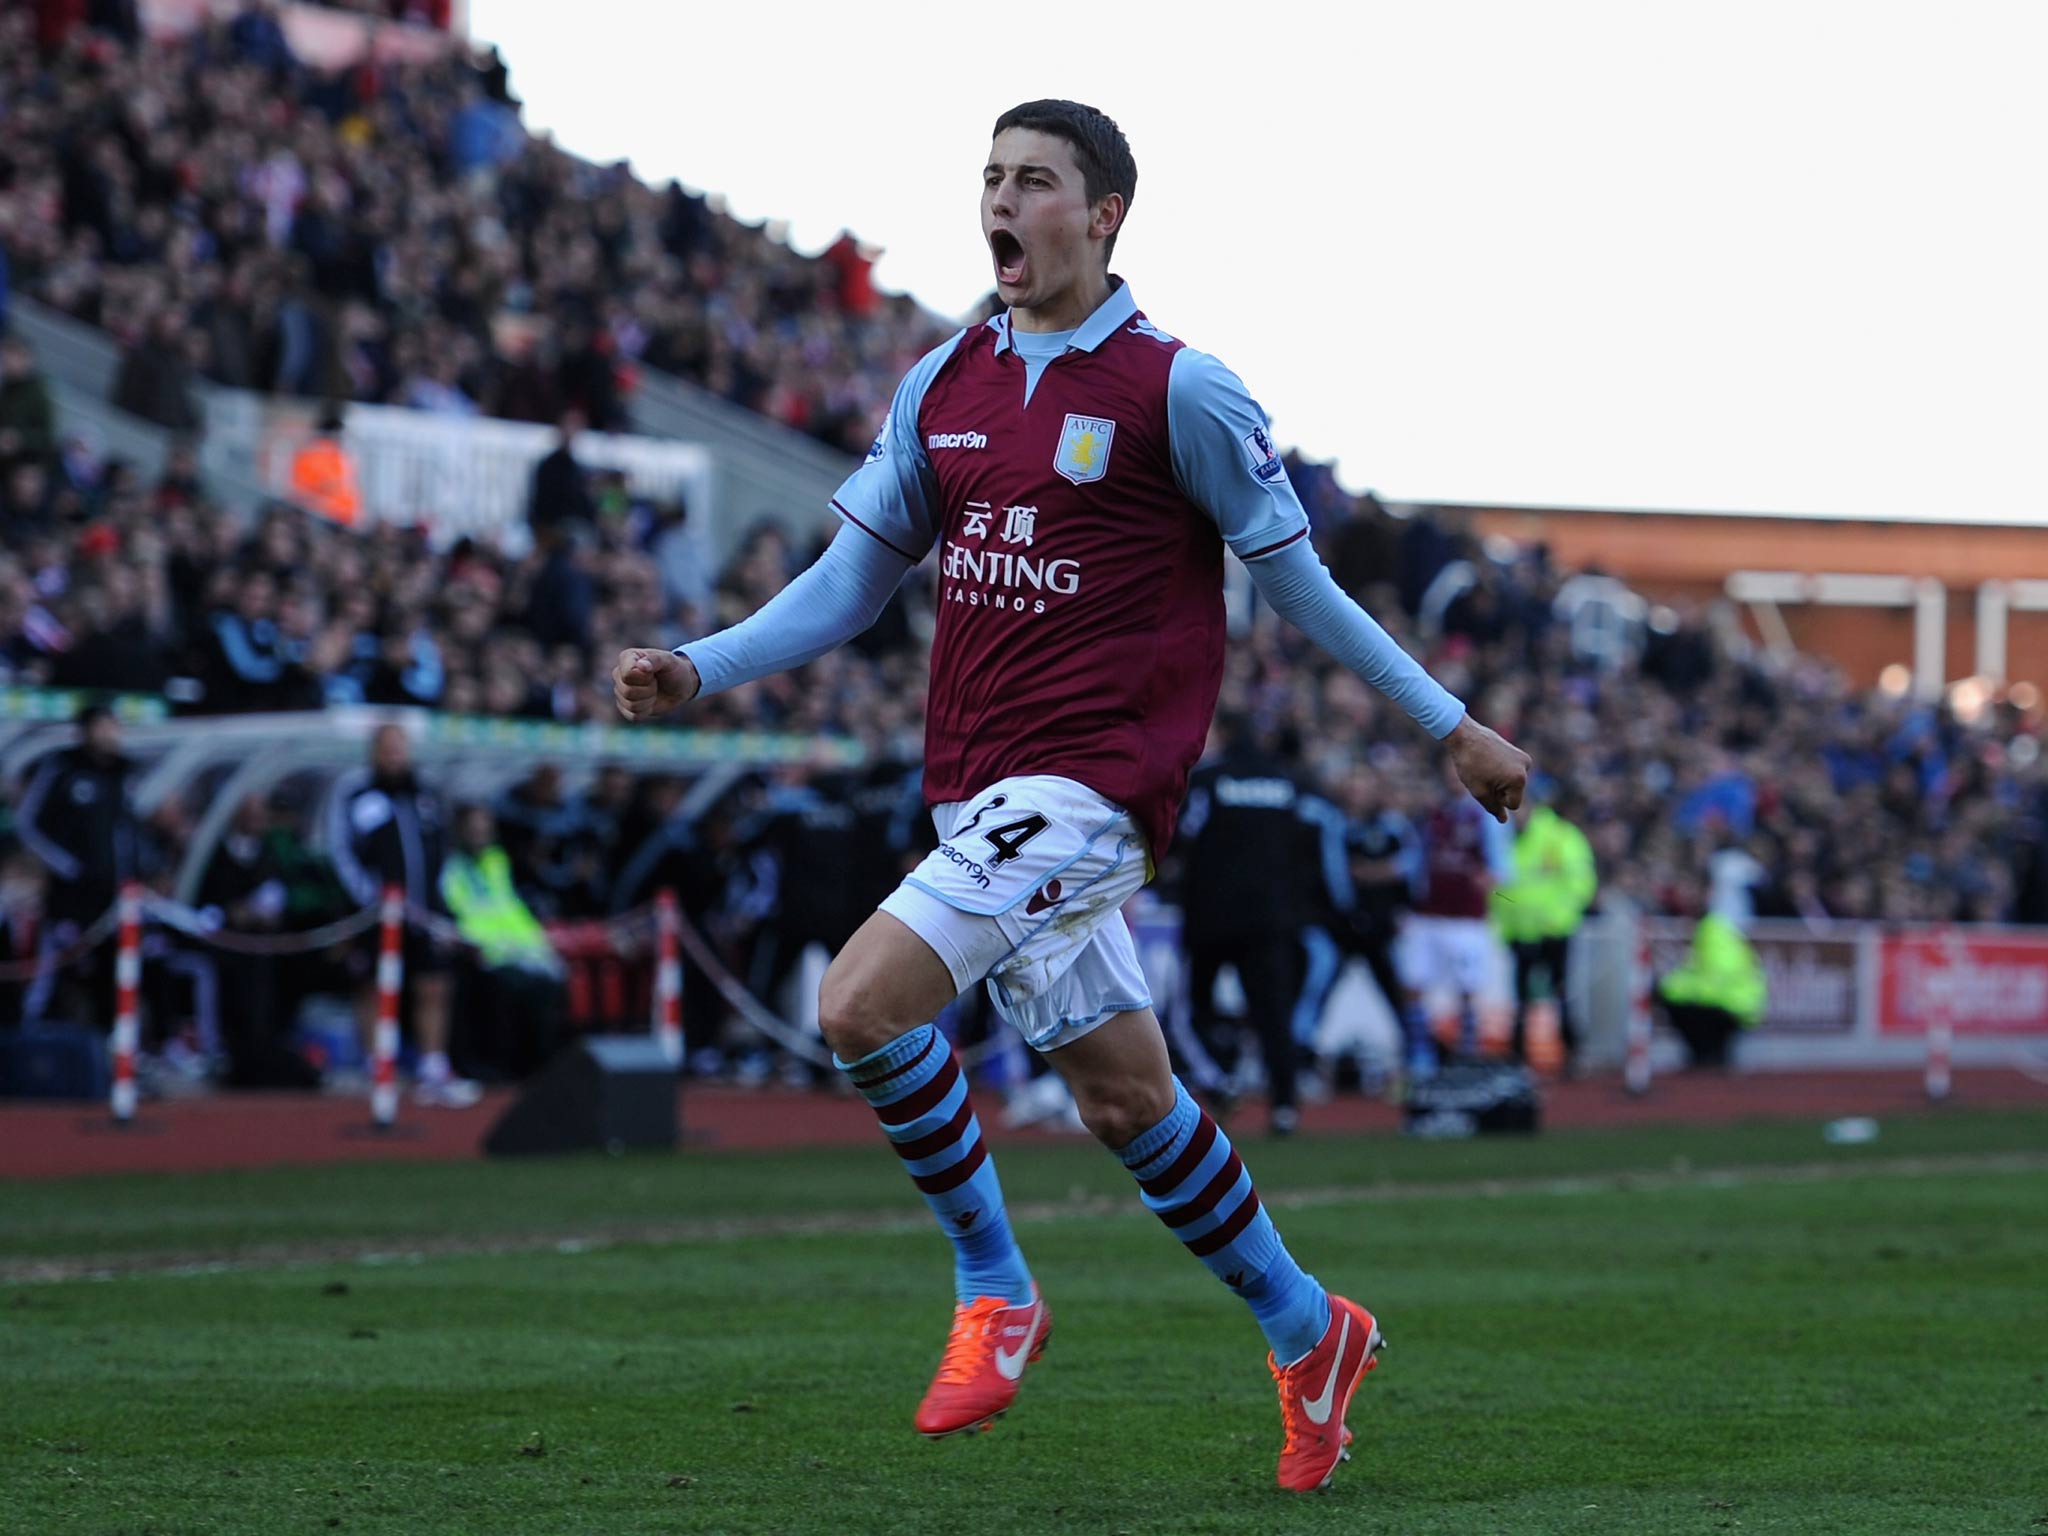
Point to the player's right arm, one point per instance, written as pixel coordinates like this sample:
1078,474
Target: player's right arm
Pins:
889,507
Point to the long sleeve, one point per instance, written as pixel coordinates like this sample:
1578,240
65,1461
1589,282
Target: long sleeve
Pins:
1295,581
61,861
831,602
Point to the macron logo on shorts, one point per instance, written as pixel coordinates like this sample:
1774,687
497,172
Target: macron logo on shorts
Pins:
956,440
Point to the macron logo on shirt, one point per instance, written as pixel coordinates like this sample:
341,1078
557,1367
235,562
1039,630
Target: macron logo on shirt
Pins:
956,440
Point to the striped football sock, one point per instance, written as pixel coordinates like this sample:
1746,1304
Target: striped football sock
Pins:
918,1092
1194,1181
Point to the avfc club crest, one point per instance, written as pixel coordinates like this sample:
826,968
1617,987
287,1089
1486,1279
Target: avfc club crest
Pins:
1083,453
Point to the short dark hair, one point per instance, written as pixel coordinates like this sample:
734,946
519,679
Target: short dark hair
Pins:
1100,149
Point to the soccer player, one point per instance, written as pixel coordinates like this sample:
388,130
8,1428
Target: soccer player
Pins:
1080,473
1448,950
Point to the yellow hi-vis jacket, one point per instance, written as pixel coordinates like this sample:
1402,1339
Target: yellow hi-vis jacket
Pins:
490,912
1553,884
1721,972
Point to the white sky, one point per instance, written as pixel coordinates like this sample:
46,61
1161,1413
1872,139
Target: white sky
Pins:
1788,256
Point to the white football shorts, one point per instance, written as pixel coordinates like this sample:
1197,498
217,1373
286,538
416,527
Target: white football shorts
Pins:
1026,891
1447,956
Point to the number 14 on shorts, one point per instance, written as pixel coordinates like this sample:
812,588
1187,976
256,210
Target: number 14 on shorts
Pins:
1004,845
1007,839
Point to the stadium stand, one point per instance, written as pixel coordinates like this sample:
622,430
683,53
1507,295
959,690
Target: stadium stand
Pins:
389,233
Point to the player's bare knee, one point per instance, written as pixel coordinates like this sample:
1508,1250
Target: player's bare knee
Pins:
852,1017
1118,1113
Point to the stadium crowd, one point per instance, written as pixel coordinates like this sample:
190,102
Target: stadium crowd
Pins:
1773,782
390,233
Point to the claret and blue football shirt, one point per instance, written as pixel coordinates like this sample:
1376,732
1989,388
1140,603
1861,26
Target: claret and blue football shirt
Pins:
1080,504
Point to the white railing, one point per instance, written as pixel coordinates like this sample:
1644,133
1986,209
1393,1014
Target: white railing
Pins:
455,476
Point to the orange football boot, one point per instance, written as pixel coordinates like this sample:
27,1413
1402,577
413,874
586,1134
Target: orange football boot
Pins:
1315,1393
991,1343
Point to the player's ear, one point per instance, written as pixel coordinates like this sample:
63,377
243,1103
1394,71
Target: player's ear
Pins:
1107,217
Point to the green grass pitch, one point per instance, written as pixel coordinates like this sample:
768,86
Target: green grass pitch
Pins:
1736,1329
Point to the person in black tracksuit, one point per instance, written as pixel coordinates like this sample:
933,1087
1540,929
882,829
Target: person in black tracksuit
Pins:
242,887
1249,860
384,827
797,849
77,816
1379,847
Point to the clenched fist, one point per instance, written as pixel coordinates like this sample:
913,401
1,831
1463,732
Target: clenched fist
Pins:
1492,767
648,683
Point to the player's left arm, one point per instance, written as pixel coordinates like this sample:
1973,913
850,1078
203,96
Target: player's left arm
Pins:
1226,464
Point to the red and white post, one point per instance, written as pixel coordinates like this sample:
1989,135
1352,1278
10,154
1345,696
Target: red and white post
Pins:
1636,1072
1941,1021
127,984
390,983
668,977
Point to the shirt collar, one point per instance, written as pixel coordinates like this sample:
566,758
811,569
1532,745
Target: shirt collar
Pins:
1110,315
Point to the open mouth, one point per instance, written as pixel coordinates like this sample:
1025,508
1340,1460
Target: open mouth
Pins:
1008,251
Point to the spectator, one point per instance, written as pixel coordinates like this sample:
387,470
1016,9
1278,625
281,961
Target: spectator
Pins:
854,264
1452,956
1251,851
555,844
243,888
28,427
385,828
1361,550
77,817
258,38
1380,851
122,645
515,982
680,559
21,909
560,499
324,475
250,664
1718,992
564,596
1539,909
29,498
155,381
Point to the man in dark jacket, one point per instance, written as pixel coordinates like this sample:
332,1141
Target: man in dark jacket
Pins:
386,828
242,889
1249,857
561,493
78,818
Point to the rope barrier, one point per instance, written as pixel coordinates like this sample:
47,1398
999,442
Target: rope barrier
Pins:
743,1002
773,1025
192,923
633,934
